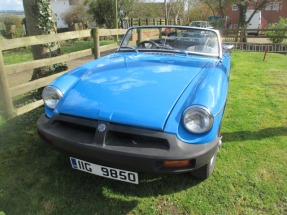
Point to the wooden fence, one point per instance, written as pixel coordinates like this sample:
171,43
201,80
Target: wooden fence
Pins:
150,21
9,92
231,37
233,33
259,47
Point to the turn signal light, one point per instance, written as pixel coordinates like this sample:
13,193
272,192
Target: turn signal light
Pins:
178,163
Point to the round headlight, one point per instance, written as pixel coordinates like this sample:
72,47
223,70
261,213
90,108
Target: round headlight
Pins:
197,119
51,96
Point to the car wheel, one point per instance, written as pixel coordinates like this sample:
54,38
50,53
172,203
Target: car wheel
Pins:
205,171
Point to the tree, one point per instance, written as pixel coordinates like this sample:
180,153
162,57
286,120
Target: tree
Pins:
174,8
218,6
199,11
148,9
103,11
40,20
169,9
13,26
165,11
243,5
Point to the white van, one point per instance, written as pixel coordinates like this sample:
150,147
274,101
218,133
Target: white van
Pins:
254,26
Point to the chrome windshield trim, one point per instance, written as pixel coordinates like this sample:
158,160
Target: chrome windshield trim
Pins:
219,44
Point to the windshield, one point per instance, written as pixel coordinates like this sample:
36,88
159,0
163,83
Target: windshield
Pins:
186,40
200,24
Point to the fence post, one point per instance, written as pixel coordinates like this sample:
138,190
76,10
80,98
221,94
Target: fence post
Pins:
4,90
139,39
96,40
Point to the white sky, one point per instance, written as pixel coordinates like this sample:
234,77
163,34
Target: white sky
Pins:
18,4
11,5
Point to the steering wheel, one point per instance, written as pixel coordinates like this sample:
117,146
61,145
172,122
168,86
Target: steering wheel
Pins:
147,44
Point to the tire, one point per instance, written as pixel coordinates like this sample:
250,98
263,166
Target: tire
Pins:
205,171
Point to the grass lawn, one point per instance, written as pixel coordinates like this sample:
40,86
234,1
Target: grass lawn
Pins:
250,176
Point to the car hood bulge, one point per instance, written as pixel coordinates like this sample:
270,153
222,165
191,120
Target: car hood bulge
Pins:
138,90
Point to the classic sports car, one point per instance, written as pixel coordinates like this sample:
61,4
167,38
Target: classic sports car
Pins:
156,105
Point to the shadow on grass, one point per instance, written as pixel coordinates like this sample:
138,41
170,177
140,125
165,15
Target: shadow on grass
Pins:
37,179
254,135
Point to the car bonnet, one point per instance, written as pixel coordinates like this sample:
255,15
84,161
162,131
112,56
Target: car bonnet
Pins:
138,90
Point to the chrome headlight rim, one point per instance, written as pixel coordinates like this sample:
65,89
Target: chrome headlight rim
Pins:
51,95
200,110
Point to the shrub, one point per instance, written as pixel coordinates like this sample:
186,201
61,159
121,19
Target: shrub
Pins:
276,36
77,14
10,21
2,26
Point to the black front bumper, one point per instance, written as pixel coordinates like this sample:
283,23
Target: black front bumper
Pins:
121,146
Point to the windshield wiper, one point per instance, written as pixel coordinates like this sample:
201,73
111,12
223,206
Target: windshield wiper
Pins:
181,51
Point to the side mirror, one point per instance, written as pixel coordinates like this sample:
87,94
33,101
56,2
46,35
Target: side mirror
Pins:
227,47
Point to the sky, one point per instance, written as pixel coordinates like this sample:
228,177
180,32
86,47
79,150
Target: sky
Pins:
11,5
18,4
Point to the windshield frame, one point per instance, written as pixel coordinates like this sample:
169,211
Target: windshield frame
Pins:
123,47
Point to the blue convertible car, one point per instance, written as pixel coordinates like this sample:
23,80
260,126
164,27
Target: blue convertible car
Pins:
156,105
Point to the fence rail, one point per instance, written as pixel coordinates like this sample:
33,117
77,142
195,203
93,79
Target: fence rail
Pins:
257,47
151,21
9,92
260,33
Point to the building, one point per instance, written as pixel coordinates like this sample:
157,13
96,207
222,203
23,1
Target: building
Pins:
269,15
272,12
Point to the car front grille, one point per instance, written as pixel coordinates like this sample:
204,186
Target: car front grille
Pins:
115,138
115,135
84,133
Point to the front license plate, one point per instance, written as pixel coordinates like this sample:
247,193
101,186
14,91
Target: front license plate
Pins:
117,174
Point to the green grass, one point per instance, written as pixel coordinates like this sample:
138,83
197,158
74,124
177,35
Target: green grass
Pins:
250,176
